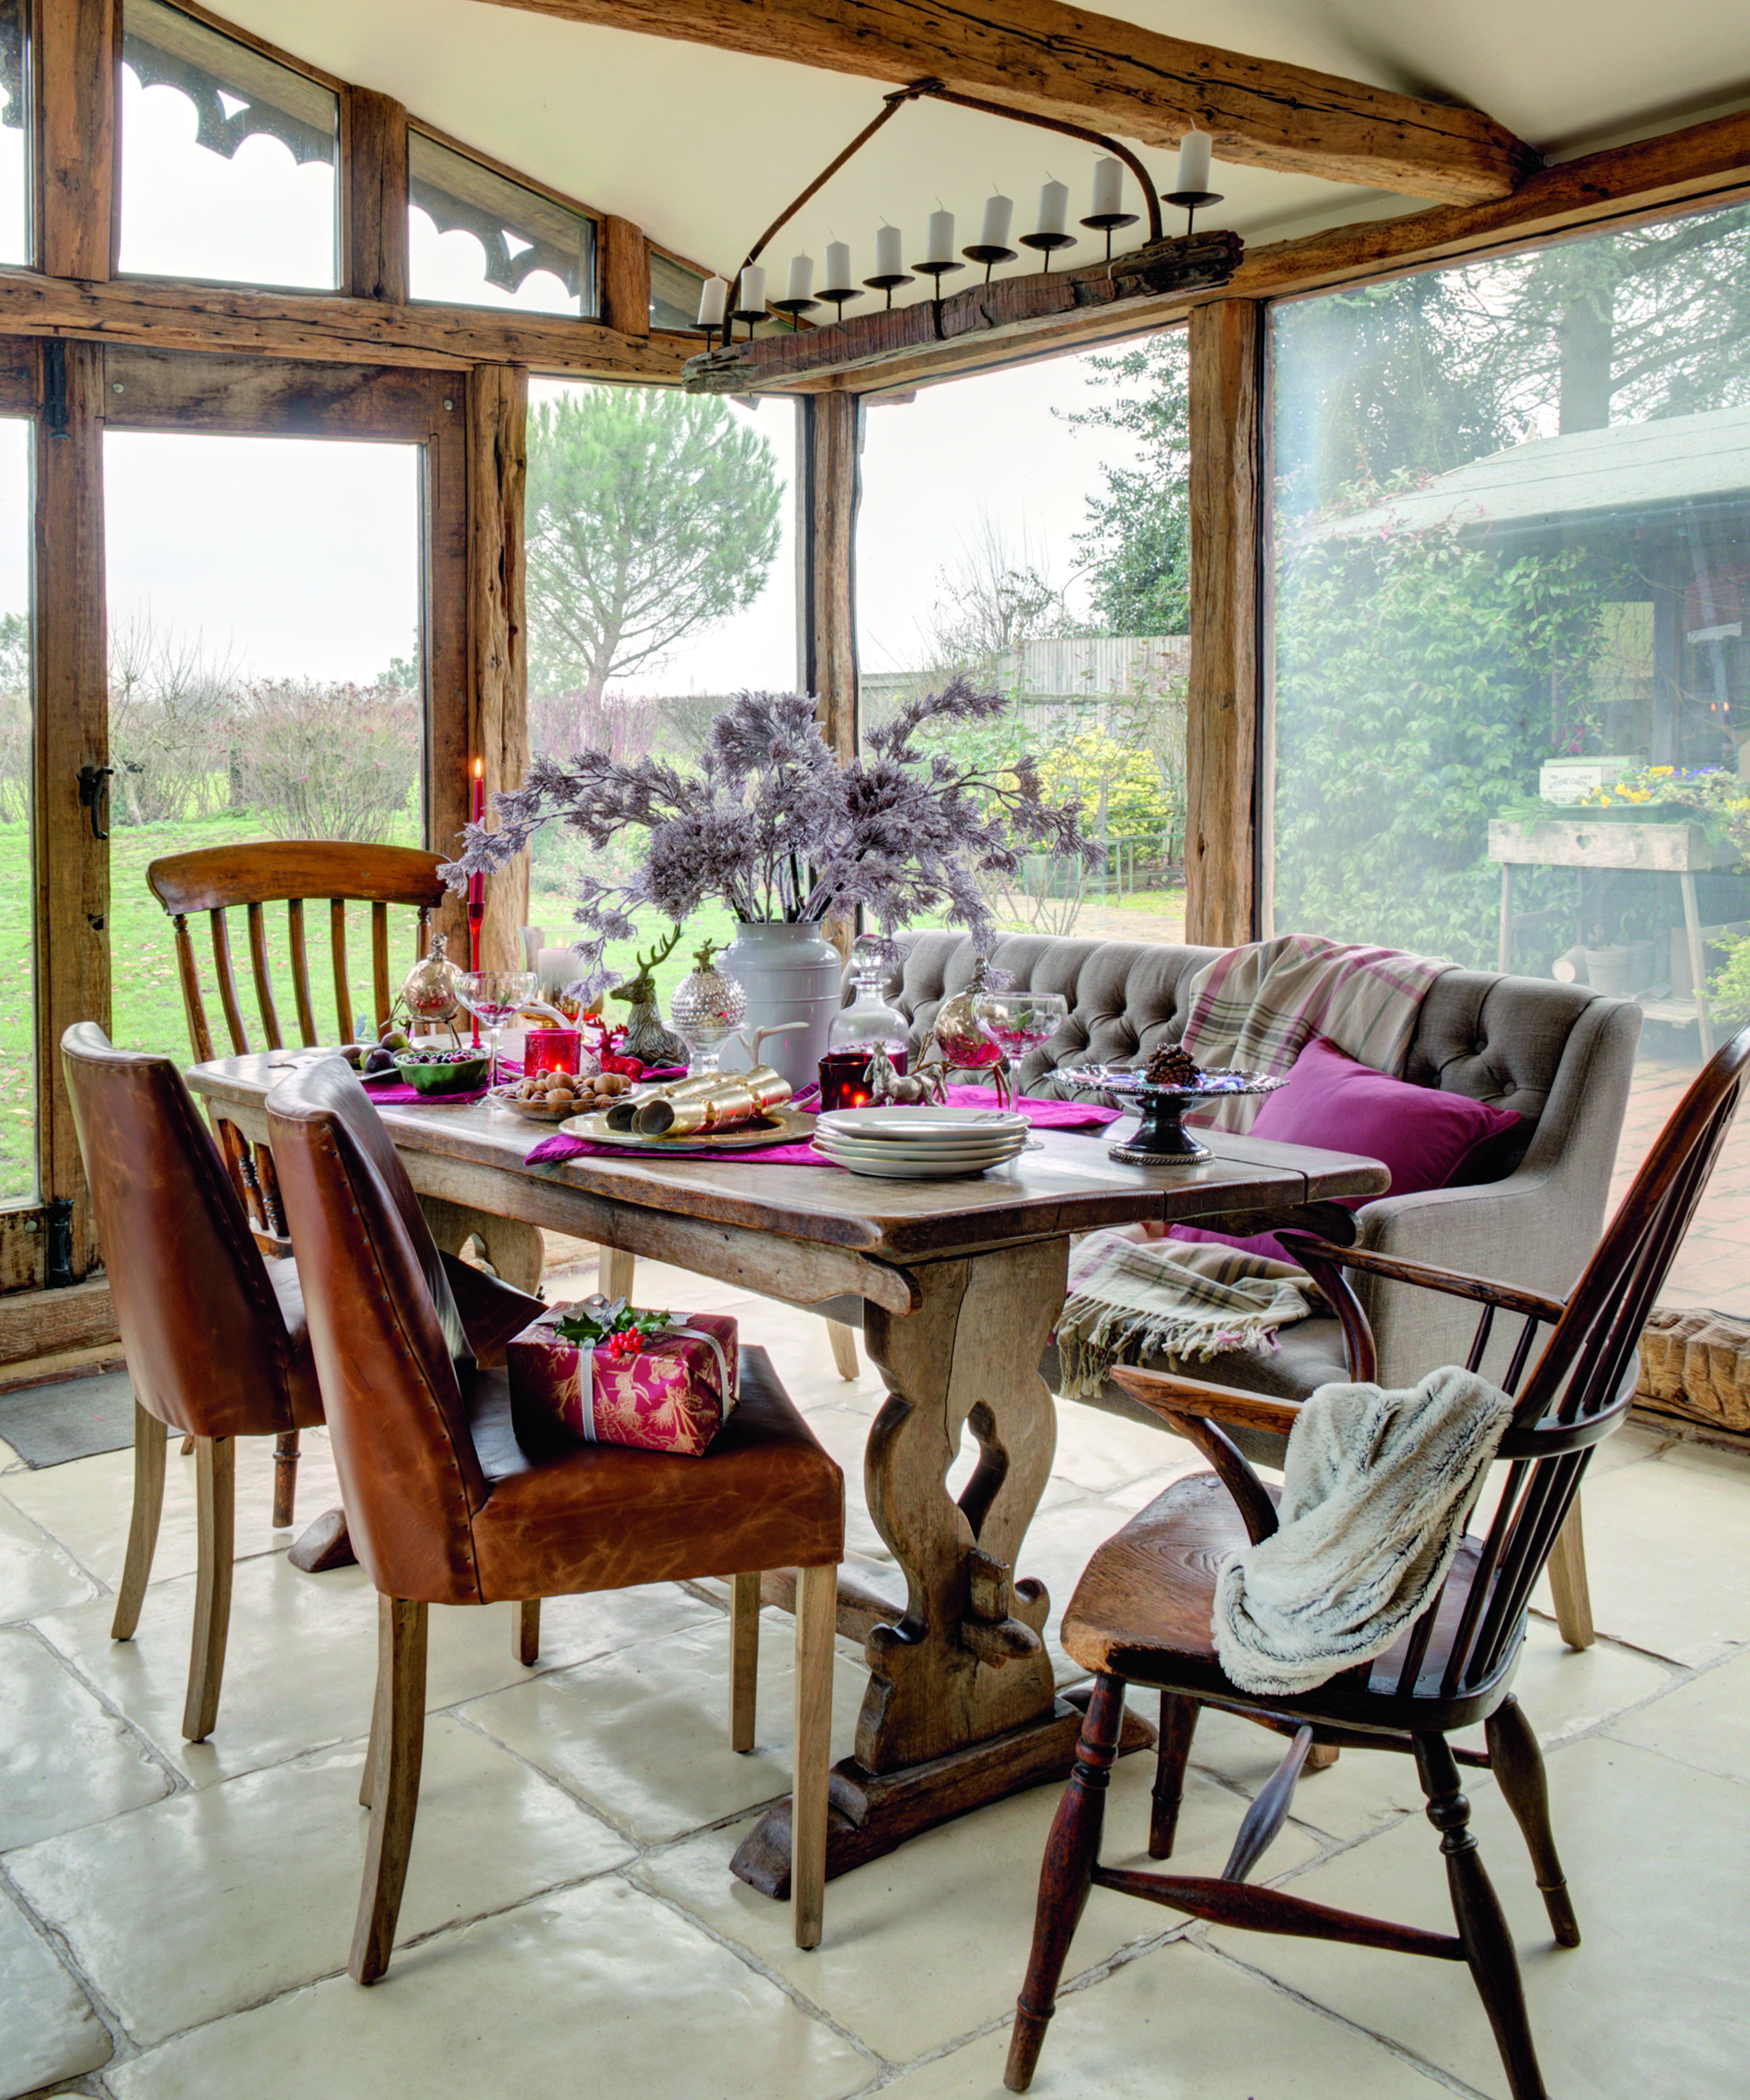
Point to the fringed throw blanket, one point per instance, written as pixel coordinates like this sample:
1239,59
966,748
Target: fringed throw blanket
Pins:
1376,1490
1258,1008
1129,1300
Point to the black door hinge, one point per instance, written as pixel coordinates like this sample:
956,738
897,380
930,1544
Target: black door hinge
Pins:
54,387
58,1248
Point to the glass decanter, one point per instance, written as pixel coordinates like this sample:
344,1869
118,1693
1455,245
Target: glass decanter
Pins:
869,1024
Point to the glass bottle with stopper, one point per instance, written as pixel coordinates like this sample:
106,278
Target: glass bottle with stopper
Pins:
867,1025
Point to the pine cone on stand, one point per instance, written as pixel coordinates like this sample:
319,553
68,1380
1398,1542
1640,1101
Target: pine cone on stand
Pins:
1173,1066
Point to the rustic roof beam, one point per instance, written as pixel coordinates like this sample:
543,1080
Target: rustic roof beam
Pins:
1059,61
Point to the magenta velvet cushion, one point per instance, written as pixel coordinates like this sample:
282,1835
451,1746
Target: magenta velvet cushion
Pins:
1428,1140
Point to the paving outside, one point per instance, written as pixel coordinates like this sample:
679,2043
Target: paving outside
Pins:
174,1919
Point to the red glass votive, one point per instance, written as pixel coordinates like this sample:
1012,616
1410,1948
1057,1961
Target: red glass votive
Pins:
844,1078
550,1050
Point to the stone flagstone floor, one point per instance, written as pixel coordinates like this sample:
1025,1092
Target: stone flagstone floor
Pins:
174,1919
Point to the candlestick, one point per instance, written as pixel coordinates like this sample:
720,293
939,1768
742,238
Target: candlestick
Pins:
750,296
477,883
890,271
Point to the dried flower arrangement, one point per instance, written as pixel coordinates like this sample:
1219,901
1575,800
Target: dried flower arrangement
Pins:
777,829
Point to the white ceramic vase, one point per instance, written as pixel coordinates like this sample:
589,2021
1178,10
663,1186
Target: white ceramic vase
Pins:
792,976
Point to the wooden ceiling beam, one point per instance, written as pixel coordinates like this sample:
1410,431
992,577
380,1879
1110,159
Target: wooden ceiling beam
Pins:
1054,60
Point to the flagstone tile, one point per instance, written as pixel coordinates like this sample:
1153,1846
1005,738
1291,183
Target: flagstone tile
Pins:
300,1665
1705,1723
601,1989
37,1575
1102,1452
66,1762
952,1908
1651,2003
48,2030
1181,2024
226,1897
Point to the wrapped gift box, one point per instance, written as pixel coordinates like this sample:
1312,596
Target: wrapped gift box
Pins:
674,1395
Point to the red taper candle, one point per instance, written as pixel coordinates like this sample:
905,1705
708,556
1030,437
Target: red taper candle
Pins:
477,884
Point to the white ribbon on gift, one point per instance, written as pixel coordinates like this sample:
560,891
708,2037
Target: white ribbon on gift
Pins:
605,1310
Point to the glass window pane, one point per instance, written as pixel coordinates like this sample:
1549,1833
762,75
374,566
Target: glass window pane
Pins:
15,162
1511,574
661,578
479,238
674,294
228,158
264,682
17,947
1047,562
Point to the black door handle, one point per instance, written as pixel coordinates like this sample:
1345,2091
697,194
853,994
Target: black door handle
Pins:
93,787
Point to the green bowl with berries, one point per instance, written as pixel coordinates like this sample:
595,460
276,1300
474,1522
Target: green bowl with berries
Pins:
437,1071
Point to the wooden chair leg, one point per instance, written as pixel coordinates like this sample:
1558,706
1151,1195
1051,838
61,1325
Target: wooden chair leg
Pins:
1177,1725
614,1272
143,1529
843,1341
816,1624
216,1491
1517,1763
394,1782
1568,1582
526,1637
285,1478
1488,1944
743,1657
186,1447
1071,1852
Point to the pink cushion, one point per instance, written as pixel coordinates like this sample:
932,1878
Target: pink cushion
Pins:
1427,1138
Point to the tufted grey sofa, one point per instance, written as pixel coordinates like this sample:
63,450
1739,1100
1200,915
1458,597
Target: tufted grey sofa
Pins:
1558,1054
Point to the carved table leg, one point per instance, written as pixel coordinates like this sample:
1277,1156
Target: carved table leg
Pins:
961,1707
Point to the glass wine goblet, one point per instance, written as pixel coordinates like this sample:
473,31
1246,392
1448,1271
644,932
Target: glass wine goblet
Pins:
493,996
1018,1022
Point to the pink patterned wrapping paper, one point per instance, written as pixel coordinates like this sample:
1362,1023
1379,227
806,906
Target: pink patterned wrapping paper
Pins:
674,1396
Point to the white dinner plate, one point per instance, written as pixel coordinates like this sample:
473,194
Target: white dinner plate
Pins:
928,1125
924,1155
899,1169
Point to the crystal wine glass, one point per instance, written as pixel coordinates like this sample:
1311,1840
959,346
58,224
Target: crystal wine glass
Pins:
493,996
1018,1022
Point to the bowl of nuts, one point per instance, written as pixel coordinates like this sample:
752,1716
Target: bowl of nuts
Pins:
551,1096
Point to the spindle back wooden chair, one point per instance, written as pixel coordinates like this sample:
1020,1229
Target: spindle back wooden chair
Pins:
1142,1612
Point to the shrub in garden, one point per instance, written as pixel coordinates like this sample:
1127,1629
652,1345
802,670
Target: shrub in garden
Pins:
318,760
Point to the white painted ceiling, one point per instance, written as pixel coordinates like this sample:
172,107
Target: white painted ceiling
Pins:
703,148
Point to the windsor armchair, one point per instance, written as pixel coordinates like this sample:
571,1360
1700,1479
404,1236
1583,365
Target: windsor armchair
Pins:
1141,1613
252,875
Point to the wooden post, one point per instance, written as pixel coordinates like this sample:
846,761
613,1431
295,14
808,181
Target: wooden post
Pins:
70,649
1221,731
832,440
622,276
498,409
375,175
76,77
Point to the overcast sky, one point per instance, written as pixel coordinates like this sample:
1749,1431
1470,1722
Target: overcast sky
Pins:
300,557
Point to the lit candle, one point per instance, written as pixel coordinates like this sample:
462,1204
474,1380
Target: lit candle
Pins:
1054,207
713,298
838,266
998,213
1194,162
802,282
477,805
477,884
750,296
940,237
889,248
1109,187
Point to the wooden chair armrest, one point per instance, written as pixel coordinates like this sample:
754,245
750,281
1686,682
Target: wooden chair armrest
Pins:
1165,1394
1455,1283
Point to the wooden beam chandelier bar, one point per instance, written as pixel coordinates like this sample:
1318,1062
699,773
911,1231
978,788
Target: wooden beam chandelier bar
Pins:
1010,307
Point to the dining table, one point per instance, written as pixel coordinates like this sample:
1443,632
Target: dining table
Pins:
957,1286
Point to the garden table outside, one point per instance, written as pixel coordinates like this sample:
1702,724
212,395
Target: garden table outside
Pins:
961,1284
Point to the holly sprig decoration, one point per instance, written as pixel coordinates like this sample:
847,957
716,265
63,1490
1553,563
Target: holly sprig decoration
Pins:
621,1327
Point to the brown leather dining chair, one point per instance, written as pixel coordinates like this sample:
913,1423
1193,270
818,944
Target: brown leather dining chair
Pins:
1141,1613
212,1331
452,1501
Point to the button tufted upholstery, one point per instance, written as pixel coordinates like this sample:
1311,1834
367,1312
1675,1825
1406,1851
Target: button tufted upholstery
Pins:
1557,1055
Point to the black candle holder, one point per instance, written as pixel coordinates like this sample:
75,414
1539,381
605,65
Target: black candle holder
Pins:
796,308
1048,243
1190,202
751,315
838,297
1109,223
985,253
890,283
938,271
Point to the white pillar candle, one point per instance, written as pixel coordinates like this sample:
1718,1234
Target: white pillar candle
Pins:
1109,187
1054,207
713,297
802,279
750,296
940,237
1193,161
998,211
838,266
555,968
890,244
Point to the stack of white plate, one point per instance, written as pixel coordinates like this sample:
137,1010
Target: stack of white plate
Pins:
920,1144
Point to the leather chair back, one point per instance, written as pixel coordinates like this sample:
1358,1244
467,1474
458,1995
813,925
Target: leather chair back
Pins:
386,1335
207,1344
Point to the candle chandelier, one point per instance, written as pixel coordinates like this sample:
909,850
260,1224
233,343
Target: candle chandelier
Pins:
750,305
